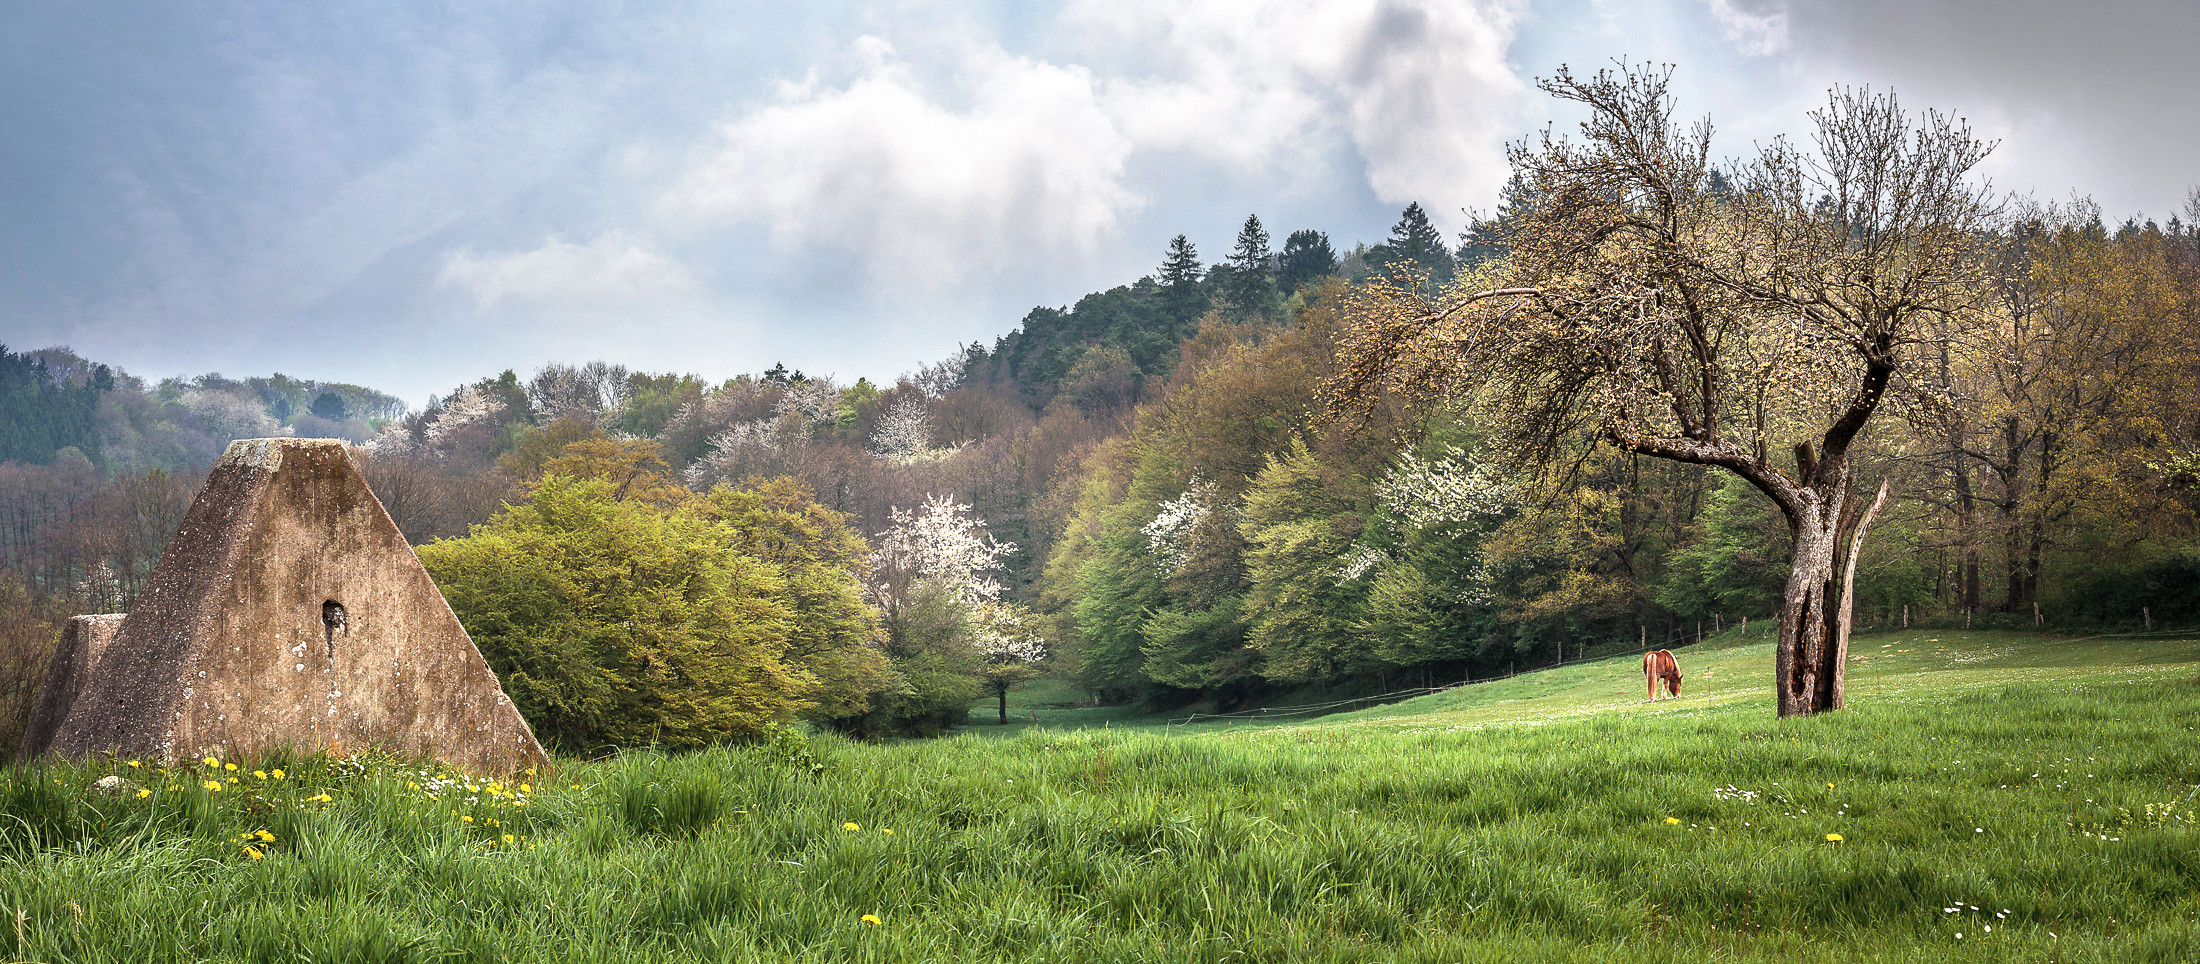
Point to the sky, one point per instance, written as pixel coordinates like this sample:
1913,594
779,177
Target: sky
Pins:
411,196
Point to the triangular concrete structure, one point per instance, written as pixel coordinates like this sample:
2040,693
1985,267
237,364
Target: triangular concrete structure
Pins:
287,613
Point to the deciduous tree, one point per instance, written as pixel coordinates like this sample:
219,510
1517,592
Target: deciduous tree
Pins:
1646,307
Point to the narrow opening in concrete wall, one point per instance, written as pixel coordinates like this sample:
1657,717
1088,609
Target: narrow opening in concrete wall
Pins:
332,619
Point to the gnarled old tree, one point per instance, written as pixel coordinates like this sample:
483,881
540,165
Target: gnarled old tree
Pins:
1652,304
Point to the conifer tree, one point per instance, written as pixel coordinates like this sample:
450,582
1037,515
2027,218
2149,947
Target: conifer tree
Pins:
1251,285
1307,256
1183,296
1416,244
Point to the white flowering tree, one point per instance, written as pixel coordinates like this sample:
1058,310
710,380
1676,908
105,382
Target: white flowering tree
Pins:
1173,533
903,434
940,555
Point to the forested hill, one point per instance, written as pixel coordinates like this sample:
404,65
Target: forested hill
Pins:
1138,327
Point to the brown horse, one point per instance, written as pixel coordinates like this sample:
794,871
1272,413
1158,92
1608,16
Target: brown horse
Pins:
1659,664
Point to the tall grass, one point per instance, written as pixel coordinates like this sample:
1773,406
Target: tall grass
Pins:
2057,812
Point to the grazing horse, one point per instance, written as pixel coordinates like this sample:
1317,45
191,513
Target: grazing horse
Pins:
1659,664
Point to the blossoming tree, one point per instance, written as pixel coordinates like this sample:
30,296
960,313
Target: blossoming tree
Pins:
1652,304
940,552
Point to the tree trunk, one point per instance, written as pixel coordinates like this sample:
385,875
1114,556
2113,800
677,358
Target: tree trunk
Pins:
1001,690
1814,613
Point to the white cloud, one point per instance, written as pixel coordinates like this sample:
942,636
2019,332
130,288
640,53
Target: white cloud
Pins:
963,159
1013,161
1419,90
614,270
1753,34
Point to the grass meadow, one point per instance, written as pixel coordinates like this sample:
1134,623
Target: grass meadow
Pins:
1987,796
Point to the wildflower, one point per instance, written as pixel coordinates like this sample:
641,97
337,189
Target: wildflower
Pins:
213,786
259,774
524,788
466,818
249,851
508,838
871,919
1833,838
1829,786
887,831
143,793
265,837
210,761
229,766
321,798
135,764
530,771
1672,820
851,825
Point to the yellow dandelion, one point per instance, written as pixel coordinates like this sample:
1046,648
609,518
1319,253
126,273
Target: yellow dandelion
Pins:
249,851
143,793
278,773
214,786
1829,786
210,761
259,774
1672,820
265,837
229,766
508,838
530,771
135,764
1833,838
232,779
466,818
524,788
871,919
887,831
851,825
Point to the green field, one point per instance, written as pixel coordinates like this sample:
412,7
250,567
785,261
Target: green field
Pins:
2034,795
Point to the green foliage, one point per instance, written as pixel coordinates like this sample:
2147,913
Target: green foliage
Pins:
1737,564
820,562
41,415
331,406
1183,291
617,622
1307,257
1300,525
937,670
1248,283
1416,248
652,401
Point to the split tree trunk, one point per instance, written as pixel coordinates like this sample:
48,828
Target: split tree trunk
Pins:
1812,654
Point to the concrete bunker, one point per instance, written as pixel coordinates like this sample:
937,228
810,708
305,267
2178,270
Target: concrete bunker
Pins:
287,613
